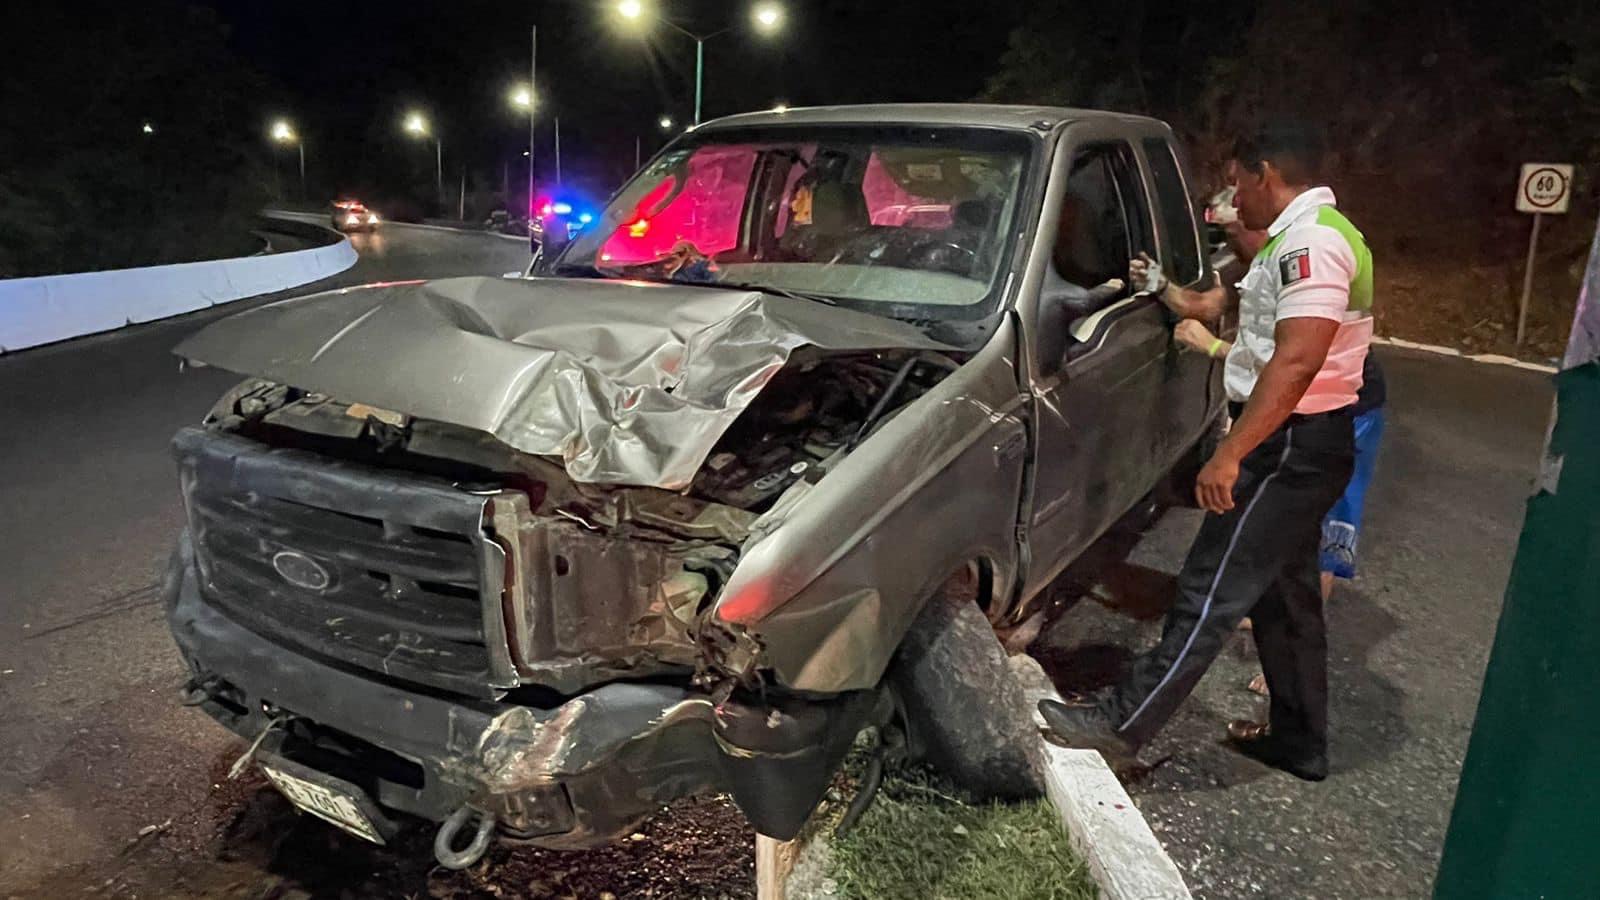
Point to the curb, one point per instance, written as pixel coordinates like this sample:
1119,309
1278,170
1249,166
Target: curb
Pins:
1107,829
1493,359
318,218
495,234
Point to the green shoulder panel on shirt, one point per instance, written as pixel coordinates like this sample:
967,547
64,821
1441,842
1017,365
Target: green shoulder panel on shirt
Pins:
1361,282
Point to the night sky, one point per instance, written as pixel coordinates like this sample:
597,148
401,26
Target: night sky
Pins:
345,71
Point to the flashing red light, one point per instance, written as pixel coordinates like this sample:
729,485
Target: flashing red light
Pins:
545,210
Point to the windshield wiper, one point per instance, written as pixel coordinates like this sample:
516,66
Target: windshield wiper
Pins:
769,289
580,270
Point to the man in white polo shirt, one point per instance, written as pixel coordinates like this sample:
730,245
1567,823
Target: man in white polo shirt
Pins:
1305,322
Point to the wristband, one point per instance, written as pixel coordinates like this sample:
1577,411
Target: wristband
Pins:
1211,351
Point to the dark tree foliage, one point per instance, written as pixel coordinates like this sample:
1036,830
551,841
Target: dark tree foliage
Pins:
1429,105
82,187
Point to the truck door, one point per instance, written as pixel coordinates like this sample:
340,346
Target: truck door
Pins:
1197,387
1098,407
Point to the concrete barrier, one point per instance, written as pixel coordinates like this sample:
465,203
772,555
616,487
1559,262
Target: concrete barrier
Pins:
51,308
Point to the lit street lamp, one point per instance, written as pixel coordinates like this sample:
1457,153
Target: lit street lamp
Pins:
522,98
417,126
767,17
148,128
665,122
283,133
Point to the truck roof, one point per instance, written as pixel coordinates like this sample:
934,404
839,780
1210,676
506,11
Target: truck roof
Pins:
989,115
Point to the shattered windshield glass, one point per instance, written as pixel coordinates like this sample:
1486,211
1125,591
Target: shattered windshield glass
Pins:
917,219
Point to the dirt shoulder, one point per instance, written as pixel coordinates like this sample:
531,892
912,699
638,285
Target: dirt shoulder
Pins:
1473,307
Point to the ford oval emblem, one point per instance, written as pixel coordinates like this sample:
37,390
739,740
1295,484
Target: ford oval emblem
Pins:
301,570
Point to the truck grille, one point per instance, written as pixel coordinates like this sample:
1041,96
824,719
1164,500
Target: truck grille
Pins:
381,569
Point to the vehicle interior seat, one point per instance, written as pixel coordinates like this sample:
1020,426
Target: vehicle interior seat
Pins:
838,214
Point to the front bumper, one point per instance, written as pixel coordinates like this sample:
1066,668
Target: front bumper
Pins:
572,773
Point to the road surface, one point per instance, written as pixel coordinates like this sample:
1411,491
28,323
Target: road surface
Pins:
93,747
1408,641
96,749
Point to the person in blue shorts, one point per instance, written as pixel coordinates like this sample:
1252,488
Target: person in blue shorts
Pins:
1342,527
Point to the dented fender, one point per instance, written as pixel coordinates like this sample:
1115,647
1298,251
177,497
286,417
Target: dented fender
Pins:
829,592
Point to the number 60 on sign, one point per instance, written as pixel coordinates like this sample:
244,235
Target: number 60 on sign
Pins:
1544,188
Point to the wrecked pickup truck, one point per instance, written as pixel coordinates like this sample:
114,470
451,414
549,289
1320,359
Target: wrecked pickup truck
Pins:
532,557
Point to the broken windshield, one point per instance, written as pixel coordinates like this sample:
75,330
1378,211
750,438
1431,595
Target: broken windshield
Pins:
903,221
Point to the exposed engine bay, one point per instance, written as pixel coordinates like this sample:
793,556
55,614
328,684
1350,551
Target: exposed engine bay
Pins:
815,407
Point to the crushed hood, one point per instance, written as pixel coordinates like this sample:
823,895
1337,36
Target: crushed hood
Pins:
627,382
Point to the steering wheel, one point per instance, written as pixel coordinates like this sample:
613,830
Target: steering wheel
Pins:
944,256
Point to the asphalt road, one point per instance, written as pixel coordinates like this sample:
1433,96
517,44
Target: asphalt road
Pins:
1408,641
95,748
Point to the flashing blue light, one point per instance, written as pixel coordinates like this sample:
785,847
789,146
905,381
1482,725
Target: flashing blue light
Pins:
561,209
585,218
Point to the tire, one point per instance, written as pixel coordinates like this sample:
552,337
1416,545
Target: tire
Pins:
966,715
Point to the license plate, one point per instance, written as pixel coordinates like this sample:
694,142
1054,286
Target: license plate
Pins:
339,806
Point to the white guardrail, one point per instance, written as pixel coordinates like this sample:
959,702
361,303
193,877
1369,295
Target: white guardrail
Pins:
51,308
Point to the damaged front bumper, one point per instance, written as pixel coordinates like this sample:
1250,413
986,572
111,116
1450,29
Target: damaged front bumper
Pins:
562,772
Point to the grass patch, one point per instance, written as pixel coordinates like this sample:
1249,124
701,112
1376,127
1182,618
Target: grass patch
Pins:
919,842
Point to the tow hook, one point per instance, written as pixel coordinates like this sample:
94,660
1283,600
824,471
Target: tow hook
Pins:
444,841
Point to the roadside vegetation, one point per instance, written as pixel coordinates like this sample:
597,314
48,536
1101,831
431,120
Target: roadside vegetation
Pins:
921,840
1430,107
84,186
918,842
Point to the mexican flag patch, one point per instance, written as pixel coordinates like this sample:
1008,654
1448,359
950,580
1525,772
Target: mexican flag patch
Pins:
1295,266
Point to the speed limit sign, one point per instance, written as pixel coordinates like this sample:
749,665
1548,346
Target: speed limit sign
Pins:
1544,188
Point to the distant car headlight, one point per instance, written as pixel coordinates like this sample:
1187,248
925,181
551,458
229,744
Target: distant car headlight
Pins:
352,219
372,219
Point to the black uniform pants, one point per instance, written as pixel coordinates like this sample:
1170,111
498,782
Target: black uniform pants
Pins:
1258,559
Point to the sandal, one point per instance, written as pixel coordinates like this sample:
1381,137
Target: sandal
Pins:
1258,685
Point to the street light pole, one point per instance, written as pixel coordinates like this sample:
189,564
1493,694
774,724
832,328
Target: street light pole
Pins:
438,167
417,125
699,74
282,132
533,98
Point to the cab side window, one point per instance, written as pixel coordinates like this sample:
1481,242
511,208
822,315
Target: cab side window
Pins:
1183,262
1105,219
